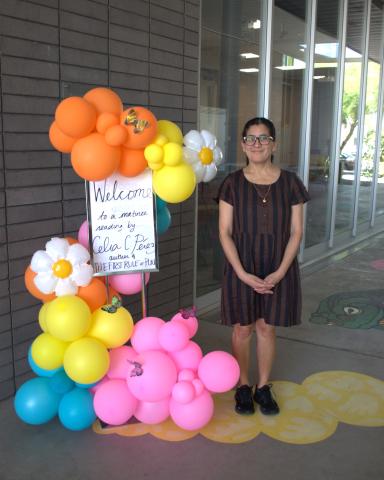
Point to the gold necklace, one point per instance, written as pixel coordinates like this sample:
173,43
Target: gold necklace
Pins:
263,198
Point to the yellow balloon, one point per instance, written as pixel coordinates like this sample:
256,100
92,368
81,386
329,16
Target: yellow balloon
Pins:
86,360
113,329
170,130
174,184
153,153
43,317
173,154
48,352
68,318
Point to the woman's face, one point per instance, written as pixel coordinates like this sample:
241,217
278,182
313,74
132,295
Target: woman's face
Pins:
258,153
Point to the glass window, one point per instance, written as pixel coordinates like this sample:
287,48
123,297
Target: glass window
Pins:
228,98
323,131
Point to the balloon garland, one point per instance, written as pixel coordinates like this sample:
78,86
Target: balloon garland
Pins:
84,367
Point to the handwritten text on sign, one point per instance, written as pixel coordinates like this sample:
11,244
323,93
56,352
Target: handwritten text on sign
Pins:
122,224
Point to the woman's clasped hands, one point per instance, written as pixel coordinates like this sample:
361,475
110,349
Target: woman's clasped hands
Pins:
262,286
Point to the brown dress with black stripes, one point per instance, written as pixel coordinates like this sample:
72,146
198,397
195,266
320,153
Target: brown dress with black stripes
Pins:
261,232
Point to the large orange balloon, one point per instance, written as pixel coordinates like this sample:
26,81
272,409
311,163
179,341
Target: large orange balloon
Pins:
116,135
132,162
141,125
62,142
104,100
76,117
95,294
93,159
32,289
106,120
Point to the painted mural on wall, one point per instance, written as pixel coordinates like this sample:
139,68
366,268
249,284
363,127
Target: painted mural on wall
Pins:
360,309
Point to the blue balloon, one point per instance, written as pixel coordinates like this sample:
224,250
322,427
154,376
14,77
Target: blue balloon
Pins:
35,402
76,410
61,383
163,220
41,372
160,203
86,385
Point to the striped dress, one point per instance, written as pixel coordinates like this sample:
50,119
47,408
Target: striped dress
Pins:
261,232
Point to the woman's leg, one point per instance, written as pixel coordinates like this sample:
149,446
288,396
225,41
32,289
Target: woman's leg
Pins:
265,350
241,340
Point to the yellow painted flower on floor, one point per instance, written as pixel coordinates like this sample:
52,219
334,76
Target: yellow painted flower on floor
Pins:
308,413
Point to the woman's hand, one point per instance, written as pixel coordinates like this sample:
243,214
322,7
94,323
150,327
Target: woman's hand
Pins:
258,284
273,279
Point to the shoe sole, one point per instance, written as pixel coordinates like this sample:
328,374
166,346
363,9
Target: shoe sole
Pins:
246,412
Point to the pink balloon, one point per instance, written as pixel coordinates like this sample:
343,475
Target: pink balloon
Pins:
129,283
152,412
183,392
186,375
153,378
219,371
198,386
83,234
188,318
173,336
146,334
193,415
114,403
189,357
120,365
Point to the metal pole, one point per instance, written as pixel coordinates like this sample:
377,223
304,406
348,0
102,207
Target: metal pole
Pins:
143,296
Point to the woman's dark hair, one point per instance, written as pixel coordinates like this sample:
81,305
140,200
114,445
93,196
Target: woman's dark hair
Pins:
259,121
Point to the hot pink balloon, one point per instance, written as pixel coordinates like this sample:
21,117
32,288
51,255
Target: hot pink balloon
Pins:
173,336
188,318
129,283
114,403
189,357
83,234
186,375
152,412
99,384
146,334
120,365
154,376
193,415
198,386
183,392
219,371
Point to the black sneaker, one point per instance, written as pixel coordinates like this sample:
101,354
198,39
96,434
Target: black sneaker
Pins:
263,397
244,401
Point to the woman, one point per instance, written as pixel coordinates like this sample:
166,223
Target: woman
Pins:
260,226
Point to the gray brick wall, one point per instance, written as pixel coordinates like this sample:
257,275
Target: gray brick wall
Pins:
145,50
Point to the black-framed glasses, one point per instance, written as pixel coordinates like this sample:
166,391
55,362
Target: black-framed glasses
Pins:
251,140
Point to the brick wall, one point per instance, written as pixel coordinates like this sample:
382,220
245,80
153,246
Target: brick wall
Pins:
147,51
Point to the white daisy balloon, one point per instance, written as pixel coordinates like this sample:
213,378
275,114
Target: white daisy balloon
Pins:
202,152
61,268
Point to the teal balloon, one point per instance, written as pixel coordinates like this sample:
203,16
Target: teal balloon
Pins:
86,385
41,372
163,219
160,203
35,402
61,383
76,410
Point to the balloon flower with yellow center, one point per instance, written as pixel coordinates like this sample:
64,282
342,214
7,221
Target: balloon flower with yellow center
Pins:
203,154
61,268
173,179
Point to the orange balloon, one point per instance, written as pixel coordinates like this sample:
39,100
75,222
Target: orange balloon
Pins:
106,120
62,142
95,294
116,135
104,100
141,125
132,162
71,240
93,159
76,117
32,289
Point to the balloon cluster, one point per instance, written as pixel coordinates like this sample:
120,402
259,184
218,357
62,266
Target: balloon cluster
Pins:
103,138
164,373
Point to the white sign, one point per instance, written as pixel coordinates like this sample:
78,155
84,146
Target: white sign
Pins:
122,224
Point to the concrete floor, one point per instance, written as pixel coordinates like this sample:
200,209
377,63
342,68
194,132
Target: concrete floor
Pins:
351,453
